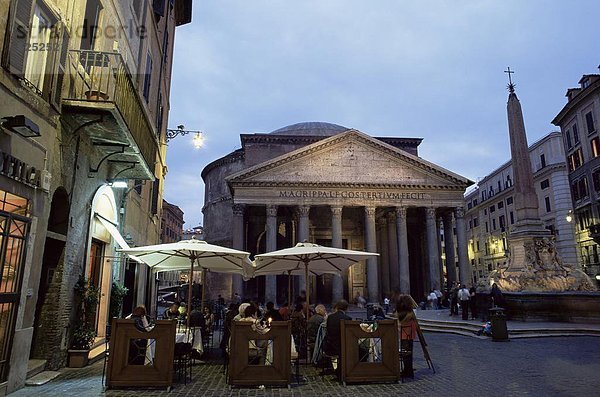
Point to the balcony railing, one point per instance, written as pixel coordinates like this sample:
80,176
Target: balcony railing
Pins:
99,78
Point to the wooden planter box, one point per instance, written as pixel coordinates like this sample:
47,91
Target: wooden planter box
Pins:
78,358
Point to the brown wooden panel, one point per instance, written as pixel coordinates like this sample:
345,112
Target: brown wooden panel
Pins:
353,370
121,373
243,374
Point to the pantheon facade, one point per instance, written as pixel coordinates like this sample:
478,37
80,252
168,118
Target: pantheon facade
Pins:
339,187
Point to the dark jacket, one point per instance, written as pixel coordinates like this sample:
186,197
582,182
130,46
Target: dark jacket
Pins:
273,314
333,340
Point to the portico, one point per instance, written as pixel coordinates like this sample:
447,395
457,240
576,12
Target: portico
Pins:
352,191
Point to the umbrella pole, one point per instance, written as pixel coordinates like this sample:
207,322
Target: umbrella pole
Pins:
289,301
189,306
203,299
307,286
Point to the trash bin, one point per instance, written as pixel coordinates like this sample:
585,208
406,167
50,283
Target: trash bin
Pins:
498,320
370,311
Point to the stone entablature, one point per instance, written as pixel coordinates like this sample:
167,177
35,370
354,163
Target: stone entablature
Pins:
348,197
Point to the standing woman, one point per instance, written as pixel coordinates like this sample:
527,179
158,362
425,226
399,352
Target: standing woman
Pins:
407,331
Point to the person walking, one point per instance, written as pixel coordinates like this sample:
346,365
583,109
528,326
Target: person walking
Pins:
454,299
463,297
473,302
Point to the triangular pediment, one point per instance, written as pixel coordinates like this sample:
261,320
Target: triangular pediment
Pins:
349,158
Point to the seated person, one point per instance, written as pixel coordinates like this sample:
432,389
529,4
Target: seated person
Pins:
137,347
272,313
172,313
333,340
197,319
314,322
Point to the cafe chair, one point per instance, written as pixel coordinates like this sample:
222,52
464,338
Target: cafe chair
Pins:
183,358
106,350
406,353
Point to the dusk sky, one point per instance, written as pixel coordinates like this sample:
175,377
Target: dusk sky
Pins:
429,69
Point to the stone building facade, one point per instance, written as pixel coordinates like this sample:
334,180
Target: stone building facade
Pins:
92,78
579,122
490,214
334,186
171,232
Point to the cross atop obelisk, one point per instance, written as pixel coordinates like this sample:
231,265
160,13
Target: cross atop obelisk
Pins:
511,86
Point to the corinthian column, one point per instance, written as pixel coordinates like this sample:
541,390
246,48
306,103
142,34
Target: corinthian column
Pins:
237,242
464,266
271,245
432,249
449,248
371,243
336,242
303,235
403,263
394,280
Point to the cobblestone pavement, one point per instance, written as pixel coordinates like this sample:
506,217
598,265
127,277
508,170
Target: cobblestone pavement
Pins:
566,366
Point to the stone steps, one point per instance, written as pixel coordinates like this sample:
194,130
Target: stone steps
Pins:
469,329
98,351
34,367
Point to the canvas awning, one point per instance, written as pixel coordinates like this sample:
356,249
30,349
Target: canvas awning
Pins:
112,229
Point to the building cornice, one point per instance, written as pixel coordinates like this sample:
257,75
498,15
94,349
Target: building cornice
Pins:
576,102
312,185
228,159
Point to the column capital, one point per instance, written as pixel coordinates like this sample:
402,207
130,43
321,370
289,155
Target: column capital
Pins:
401,213
303,210
430,213
459,212
336,210
271,210
238,209
370,212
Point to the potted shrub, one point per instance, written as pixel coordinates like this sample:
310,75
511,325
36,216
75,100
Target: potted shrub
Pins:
84,330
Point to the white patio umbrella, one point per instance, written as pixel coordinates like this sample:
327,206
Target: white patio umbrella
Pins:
184,254
307,258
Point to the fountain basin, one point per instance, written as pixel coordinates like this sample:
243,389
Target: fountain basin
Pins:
572,307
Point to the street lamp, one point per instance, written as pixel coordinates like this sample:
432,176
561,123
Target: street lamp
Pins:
198,137
569,216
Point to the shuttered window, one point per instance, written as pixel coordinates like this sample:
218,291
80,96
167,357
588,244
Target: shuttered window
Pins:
35,48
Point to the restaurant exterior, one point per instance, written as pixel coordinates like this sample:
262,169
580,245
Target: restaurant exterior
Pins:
86,112
335,186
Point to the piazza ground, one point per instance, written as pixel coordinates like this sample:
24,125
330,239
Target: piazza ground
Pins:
465,366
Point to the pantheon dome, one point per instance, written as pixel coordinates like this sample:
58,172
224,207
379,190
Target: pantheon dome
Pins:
312,128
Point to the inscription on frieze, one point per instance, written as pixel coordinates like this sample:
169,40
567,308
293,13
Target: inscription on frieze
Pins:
352,194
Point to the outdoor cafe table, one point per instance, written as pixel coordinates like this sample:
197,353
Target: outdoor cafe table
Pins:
382,363
244,367
183,335
125,370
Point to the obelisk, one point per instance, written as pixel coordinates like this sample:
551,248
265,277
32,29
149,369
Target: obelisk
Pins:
528,226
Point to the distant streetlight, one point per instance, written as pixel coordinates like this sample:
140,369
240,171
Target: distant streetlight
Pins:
569,216
198,140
